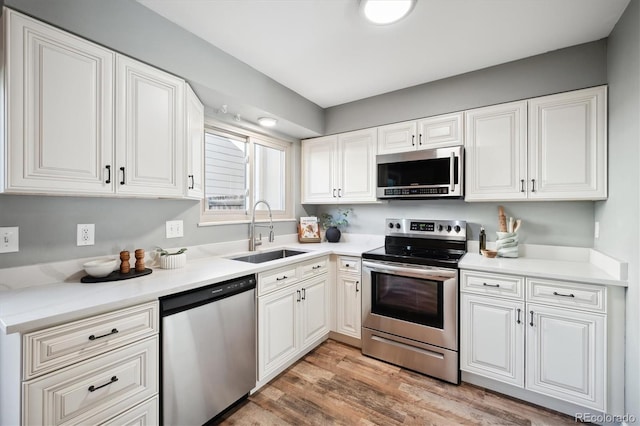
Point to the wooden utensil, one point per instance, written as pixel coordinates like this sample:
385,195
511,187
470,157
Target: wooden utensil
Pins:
502,220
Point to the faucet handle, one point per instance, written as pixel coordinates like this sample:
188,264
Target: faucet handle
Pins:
271,236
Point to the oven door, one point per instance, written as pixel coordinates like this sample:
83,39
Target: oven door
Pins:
412,301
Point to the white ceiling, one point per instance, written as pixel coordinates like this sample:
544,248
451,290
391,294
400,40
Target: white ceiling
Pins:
324,51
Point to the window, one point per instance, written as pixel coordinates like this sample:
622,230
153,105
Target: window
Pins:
242,169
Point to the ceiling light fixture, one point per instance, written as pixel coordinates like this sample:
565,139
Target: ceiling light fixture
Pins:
267,121
384,12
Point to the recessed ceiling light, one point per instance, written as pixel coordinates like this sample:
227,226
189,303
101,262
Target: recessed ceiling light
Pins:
267,121
383,12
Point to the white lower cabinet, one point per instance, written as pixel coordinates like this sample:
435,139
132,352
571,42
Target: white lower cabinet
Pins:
557,348
348,296
293,318
110,375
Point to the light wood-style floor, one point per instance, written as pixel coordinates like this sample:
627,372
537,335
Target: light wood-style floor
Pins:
336,385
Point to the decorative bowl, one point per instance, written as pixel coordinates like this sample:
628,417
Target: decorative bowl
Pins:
100,268
489,253
173,261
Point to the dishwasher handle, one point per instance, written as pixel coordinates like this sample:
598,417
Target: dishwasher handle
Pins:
179,302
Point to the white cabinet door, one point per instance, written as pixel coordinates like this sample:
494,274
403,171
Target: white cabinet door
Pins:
149,130
277,329
348,305
357,156
314,310
195,145
398,137
566,355
496,152
568,145
60,111
492,338
440,131
320,170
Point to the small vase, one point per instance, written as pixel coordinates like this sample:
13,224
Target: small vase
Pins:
333,234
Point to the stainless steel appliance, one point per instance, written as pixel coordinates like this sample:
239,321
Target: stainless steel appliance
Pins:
428,173
208,358
410,296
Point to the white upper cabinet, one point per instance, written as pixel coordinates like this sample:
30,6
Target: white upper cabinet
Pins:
568,145
339,168
194,125
149,130
432,132
60,110
547,148
83,120
496,152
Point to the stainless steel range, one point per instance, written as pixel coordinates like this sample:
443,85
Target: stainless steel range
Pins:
410,296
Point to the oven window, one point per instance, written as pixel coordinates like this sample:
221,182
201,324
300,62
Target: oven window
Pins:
412,173
416,300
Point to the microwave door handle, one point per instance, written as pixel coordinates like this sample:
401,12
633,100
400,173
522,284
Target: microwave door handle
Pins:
451,171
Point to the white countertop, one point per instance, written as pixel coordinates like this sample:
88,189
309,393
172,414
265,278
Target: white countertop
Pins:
54,293
38,296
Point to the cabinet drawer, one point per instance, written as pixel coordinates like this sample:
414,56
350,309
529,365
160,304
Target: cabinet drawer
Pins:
567,294
349,264
313,267
510,286
95,390
52,348
145,414
275,279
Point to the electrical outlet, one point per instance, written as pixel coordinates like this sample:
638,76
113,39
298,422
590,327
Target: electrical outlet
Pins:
596,230
175,228
9,239
86,234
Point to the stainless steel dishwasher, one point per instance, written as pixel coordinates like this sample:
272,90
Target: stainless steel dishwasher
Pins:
208,338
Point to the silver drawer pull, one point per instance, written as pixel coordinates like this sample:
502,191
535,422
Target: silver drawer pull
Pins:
518,320
284,277
95,388
94,337
531,323
490,285
555,293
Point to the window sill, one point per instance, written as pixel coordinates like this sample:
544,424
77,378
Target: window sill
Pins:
243,221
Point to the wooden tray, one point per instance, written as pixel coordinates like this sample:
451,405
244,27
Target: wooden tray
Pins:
115,276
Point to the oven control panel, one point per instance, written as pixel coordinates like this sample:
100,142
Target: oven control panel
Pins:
441,229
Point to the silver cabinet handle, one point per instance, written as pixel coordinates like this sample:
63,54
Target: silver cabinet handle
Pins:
531,323
533,185
420,139
316,267
193,182
284,277
522,189
123,176
518,320
108,167
94,337
334,193
490,285
304,293
299,294
357,289
95,388
413,140
339,192
555,293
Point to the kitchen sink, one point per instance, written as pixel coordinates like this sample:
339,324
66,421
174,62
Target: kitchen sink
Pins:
266,256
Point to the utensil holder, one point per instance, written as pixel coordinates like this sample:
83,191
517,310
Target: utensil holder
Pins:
173,261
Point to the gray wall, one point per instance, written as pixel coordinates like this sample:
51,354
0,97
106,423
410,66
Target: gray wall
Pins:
558,71
618,216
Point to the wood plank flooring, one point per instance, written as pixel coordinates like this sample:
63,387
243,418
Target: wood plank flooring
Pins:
336,385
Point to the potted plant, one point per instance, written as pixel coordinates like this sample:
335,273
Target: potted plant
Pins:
333,222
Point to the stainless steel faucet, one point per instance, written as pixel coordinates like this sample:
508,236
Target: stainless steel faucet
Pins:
253,243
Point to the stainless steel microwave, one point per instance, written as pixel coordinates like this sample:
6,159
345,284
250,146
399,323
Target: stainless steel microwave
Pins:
429,173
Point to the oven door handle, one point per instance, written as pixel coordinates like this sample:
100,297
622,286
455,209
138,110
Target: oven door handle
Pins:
409,270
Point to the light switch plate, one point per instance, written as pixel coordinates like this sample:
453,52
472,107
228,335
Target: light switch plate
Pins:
9,239
175,228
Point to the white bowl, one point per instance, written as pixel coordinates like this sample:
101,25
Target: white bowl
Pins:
173,261
100,268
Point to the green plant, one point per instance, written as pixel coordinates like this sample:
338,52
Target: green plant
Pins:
339,219
163,252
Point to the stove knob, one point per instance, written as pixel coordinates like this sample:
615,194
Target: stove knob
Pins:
397,226
457,228
440,228
448,228
390,225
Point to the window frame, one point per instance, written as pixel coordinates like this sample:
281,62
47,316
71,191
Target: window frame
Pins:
213,217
